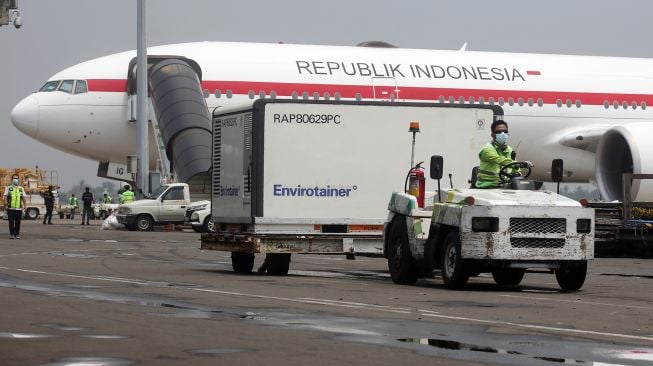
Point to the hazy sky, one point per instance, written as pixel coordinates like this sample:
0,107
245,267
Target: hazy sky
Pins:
61,33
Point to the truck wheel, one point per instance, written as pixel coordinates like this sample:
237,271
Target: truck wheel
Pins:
454,274
571,275
508,276
278,263
242,262
144,223
209,226
400,263
32,213
61,215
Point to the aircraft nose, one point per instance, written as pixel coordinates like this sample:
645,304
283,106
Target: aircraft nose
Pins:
25,116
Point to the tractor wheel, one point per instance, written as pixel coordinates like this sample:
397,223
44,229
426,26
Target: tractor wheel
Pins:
571,276
454,274
508,276
400,262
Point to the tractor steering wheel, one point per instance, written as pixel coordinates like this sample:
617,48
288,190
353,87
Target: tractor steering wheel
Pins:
504,176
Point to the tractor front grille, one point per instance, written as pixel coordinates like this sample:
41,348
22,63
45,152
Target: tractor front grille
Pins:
537,225
537,243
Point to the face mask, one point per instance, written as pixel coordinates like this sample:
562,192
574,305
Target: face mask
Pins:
501,138
15,182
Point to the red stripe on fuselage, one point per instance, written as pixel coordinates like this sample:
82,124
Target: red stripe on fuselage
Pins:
405,92
107,85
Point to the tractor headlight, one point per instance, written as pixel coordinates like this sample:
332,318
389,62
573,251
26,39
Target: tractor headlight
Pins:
485,224
583,226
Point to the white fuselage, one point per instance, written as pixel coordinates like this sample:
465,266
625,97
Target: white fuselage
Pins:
551,102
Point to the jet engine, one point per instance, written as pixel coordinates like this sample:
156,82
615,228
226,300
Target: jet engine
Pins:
625,149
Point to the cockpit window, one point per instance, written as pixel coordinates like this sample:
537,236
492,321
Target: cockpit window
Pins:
50,86
67,86
80,87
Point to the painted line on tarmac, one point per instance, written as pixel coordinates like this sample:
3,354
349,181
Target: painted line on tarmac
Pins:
579,302
541,327
327,302
367,306
435,315
150,283
69,251
16,254
428,311
96,278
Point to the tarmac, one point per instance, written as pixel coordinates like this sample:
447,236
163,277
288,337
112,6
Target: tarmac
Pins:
73,294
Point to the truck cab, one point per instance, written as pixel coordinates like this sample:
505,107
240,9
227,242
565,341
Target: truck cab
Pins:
166,204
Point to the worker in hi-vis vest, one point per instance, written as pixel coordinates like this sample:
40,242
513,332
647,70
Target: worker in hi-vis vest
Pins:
495,155
127,196
15,203
72,202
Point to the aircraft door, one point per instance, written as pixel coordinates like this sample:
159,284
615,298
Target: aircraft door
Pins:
385,88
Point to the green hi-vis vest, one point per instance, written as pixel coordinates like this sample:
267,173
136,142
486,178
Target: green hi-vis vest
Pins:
128,196
72,201
15,197
493,158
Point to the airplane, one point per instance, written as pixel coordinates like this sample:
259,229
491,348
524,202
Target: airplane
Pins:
596,113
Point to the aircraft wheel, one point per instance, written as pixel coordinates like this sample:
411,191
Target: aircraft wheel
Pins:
242,262
454,274
508,276
400,262
571,275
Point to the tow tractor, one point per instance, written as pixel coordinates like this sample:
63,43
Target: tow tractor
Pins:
506,231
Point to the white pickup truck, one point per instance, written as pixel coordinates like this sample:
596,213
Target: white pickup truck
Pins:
167,204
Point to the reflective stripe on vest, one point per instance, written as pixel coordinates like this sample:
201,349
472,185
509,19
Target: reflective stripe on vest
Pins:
15,195
127,196
488,173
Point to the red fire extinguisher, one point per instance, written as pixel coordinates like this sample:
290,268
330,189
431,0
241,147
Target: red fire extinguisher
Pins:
417,184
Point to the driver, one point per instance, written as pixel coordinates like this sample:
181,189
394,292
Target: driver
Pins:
495,155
